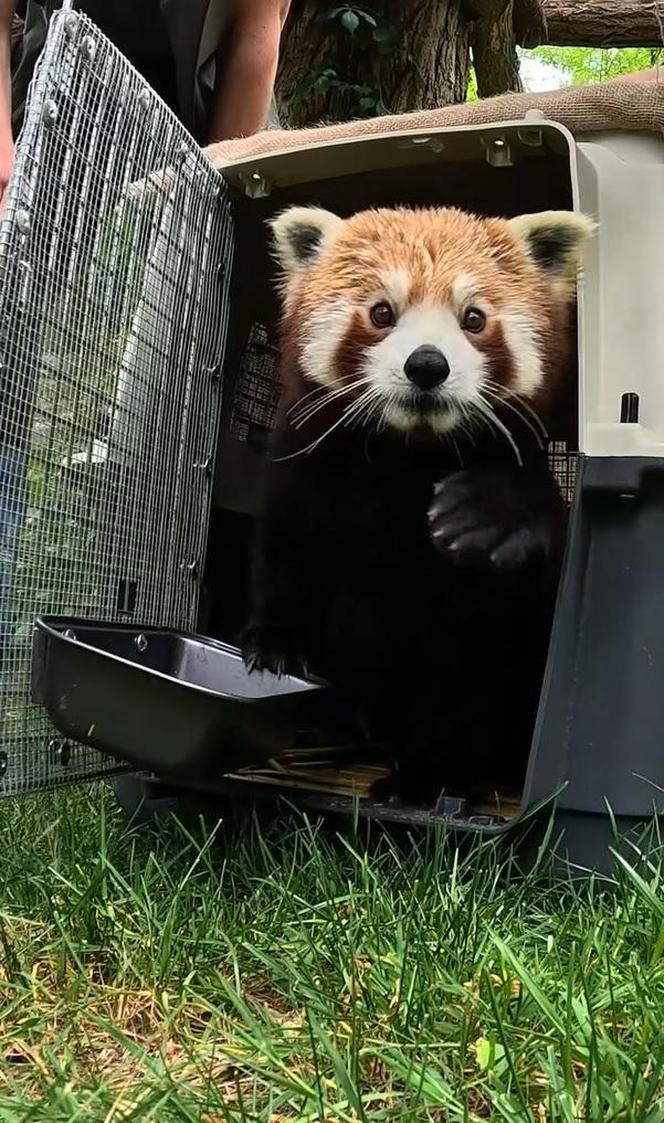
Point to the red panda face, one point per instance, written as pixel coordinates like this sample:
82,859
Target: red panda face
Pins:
423,319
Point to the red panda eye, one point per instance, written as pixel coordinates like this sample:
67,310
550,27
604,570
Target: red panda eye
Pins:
473,320
382,315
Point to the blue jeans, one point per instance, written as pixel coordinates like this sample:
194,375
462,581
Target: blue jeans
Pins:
12,505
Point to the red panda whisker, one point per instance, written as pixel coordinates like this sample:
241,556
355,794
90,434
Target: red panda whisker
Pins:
319,440
318,389
313,407
517,412
506,393
457,449
301,403
313,445
360,410
466,425
483,407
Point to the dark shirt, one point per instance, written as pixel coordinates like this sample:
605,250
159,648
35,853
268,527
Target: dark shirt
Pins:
136,28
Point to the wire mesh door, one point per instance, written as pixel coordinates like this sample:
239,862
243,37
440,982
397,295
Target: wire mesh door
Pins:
115,253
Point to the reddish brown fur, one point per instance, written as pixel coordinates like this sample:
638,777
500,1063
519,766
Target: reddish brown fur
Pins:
433,247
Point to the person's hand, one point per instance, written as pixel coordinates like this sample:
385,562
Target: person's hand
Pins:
6,165
651,75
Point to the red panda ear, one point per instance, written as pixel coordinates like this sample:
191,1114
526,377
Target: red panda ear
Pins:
300,235
554,240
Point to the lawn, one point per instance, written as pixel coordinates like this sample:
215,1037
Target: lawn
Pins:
290,976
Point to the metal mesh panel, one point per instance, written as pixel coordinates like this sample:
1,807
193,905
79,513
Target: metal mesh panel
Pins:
112,330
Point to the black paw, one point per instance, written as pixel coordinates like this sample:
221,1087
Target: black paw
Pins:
502,517
273,648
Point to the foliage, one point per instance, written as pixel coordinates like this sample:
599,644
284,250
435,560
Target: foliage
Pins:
595,64
266,977
360,33
357,36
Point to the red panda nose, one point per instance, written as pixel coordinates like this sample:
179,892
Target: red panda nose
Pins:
426,367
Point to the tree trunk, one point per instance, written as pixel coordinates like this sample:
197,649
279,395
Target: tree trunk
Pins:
411,55
494,48
602,23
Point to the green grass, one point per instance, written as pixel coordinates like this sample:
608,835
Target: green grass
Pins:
290,976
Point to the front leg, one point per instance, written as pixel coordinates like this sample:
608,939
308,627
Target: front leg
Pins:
290,555
508,517
277,637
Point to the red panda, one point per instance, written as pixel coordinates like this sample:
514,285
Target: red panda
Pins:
411,537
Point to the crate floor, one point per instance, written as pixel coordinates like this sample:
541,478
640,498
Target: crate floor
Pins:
343,775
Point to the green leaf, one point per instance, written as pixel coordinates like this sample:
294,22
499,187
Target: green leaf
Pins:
351,21
489,1053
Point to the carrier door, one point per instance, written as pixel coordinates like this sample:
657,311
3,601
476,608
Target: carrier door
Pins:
115,258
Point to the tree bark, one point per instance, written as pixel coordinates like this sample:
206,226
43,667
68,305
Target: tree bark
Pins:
416,57
494,47
529,23
601,23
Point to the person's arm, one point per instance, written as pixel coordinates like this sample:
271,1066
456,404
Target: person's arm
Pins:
7,9
651,75
247,68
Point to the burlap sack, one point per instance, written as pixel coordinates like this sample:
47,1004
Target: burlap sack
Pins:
633,105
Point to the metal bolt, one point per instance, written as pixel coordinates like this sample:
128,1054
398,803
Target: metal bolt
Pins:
60,751
141,643
71,24
88,48
49,112
23,222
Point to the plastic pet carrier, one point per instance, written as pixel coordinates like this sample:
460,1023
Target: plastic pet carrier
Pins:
137,390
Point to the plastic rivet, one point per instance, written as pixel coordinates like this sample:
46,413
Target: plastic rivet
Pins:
141,643
257,186
49,113
23,222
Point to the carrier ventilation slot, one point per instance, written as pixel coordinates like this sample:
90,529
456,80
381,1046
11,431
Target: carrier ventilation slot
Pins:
629,409
256,393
